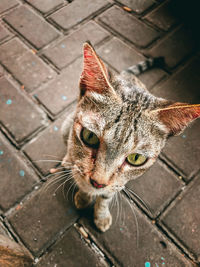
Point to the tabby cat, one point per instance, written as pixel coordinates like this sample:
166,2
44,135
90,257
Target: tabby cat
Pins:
118,131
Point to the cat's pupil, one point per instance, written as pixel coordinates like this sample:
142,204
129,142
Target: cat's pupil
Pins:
136,157
90,135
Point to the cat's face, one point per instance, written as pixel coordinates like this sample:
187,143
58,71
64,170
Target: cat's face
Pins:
119,128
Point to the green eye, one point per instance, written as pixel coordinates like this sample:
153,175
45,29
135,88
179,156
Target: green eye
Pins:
89,138
136,159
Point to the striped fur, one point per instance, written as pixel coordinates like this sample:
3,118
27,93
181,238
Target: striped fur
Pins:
127,119
145,65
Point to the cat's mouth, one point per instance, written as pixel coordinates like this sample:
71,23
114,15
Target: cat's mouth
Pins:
96,185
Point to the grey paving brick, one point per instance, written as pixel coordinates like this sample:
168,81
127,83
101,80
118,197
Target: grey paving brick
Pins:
6,5
18,113
67,89
183,151
156,188
1,71
175,47
4,33
133,246
16,179
76,12
163,16
68,49
71,251
118,54
151,77
137,6
183,86
26,67
121,56
41,218
32,26
129,27
182,219
47,5
47,146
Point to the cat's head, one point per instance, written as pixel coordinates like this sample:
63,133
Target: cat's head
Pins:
119,127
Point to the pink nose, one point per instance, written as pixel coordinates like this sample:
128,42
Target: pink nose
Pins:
96,185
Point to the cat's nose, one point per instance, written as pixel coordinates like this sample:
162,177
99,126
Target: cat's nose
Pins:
96,185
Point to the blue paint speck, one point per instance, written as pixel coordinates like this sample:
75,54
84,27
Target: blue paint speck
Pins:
55,128
1,152
21,173
183,136
147,264
63,45
121,229
9,101
64,97
33,63
162,259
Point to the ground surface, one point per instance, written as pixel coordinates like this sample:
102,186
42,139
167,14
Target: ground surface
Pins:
40,63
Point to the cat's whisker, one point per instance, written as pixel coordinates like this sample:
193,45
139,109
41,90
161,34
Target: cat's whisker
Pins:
139,198
120,199
74,182
63,184
74,187
117,207
66,172
56,179
136,221
51,174
48,160
48,155
53,182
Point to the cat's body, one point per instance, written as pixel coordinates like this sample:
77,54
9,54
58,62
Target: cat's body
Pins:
117,133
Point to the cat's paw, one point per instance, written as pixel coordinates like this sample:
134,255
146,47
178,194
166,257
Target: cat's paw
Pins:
103,224
81,201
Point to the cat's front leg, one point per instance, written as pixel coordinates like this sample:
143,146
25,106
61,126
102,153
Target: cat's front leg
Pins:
102,216
82,200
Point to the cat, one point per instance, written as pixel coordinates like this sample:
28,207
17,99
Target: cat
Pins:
116,133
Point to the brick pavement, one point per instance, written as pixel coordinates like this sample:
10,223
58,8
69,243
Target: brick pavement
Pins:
40,63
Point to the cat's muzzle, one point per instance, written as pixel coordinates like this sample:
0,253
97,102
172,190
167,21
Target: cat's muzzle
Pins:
97,185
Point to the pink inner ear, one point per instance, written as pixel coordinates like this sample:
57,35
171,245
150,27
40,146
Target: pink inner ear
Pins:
93,77
197,114
177,116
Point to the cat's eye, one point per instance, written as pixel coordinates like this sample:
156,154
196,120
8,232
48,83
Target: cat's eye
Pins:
89,138
136,159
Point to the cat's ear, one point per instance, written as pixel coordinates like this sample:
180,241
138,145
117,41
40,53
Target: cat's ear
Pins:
177,116
95,77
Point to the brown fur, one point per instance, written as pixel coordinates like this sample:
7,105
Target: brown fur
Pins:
12,255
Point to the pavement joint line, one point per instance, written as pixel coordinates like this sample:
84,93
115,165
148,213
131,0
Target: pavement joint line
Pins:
172,167
176,170
25,40
161,227
126,40
176,242
9,10
86,236
84,21
48,60
44,15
